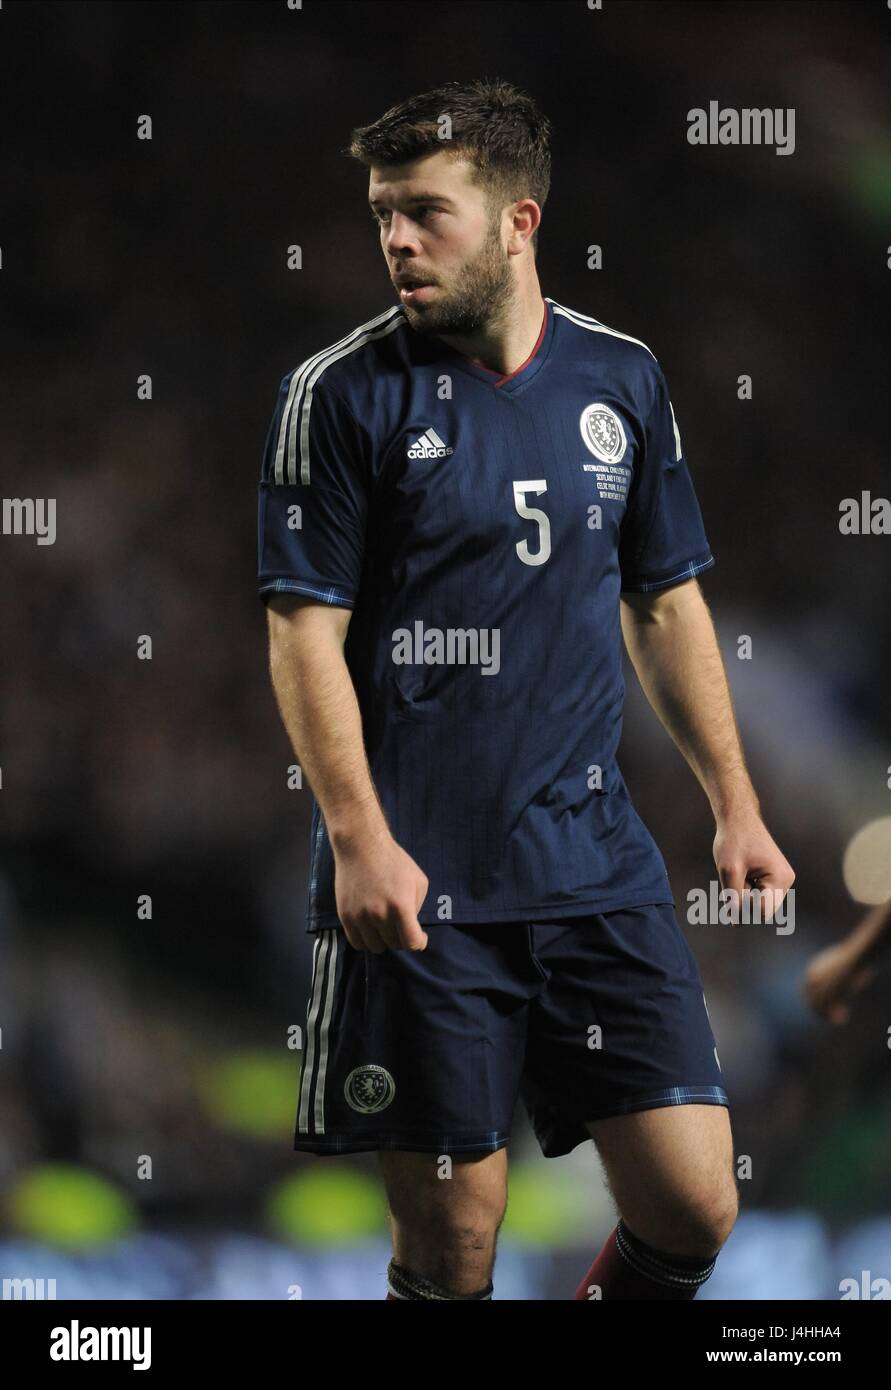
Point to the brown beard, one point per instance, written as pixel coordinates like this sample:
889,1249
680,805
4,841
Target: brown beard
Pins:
480,292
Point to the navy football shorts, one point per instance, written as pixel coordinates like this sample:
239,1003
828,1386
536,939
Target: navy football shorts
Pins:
429,1050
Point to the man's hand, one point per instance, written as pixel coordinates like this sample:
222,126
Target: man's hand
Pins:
379,890
747,857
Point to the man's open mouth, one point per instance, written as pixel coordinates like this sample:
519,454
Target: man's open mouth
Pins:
411,289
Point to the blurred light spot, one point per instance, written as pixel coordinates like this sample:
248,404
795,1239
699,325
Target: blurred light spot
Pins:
540,1212
867,863
327,1207
252,1092
69,1207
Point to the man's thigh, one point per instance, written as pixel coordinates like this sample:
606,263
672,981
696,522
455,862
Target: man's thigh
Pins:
669,1169
445,1190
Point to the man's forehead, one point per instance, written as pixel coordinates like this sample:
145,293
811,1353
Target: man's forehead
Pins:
433,176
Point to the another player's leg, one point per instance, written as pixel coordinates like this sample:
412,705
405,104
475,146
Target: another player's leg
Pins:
670,1171
444,1216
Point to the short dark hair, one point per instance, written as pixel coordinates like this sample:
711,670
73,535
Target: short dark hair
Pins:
496,127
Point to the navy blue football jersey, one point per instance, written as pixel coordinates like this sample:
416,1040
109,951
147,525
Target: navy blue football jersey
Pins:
481,528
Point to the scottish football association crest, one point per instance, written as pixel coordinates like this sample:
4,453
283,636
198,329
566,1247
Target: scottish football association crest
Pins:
603,433
369,1089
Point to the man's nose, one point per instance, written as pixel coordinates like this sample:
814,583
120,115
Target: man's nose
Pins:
401,233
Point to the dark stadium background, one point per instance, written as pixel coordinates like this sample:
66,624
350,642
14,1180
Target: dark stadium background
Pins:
167,1037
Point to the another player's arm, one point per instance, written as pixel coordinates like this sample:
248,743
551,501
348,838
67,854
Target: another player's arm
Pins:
379,888
673,647
871,938
840,971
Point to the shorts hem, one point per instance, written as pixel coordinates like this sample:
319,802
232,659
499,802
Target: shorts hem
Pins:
445,1144
569,1137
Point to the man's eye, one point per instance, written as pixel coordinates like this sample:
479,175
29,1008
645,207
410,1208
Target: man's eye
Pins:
382,218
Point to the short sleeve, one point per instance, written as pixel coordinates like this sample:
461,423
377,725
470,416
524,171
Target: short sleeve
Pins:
663,540
313,495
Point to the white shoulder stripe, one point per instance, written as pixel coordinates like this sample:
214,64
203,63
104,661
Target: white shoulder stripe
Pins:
297,380
294,407
584,321
677,434
594,326
299,400
306,405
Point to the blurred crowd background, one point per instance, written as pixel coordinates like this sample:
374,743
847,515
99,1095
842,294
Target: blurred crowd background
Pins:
121,777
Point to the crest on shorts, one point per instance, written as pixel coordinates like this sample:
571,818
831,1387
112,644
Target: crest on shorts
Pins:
603,433
369,1089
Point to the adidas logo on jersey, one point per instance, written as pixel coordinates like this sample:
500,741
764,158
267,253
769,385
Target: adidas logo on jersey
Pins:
429,446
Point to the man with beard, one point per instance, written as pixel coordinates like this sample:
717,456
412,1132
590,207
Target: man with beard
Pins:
491,917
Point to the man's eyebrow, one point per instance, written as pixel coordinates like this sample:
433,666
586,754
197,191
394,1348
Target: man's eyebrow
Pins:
418,198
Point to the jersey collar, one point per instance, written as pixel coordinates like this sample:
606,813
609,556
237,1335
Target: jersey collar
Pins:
511,381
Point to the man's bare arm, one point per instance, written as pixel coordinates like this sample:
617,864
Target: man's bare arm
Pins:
379,888
673,647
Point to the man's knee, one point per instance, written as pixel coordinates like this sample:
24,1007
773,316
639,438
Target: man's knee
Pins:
694,1225
445,1221
456,1224
712,1220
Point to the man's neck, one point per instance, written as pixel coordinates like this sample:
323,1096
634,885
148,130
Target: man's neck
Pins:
504,345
